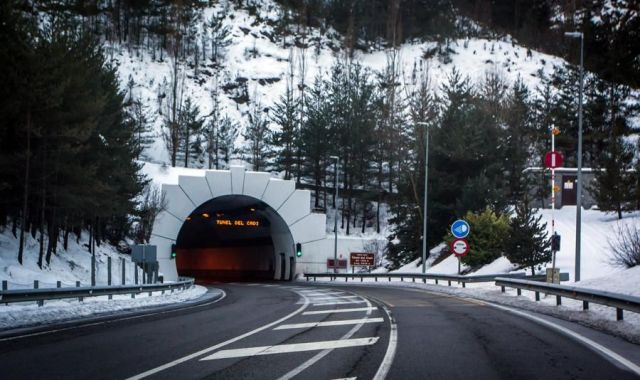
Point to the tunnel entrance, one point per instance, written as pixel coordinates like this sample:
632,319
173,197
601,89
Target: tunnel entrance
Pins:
234,238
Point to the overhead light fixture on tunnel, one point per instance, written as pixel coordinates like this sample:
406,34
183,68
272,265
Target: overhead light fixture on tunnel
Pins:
205,215
252,209
188,218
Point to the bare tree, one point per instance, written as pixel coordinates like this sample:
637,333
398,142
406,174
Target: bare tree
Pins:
153,203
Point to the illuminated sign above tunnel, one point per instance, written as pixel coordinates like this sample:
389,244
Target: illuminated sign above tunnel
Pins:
238,222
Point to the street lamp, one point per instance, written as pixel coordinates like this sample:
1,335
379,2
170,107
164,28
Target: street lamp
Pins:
426,182
335,216
579,195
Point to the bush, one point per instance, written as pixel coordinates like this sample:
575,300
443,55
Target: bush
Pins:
488,231
625,247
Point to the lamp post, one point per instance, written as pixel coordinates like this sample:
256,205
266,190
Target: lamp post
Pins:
335,216
426,182
579,180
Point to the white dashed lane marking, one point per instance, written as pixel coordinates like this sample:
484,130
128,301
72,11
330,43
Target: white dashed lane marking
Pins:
289,348
328,323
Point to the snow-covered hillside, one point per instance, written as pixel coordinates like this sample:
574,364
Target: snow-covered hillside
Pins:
262,61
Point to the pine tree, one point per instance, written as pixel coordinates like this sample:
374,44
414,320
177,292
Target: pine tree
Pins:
526,243
285,115
227,134
220,36
257,135
190,132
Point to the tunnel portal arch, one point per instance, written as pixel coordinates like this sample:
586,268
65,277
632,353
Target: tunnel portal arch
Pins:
186,193
234,237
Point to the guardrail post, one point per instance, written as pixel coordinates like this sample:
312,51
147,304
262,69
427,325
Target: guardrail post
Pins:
109,271
519,291
389,278
361,278
463,284
619,315
436,281
375,278
585,305
537,296
307,278
36,285
135,269
123,272
413,279
314,278
502,288
558,301
401,279
346,278
5,285
80,299
449,282
58,284
424,280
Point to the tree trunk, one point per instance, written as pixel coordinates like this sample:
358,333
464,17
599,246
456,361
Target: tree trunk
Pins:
25,197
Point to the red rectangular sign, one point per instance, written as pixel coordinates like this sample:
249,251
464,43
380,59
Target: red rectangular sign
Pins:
342,264
362,259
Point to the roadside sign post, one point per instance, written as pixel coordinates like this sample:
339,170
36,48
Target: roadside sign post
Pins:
553,160
460,246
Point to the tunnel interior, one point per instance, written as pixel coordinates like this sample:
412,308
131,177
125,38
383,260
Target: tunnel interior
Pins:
234,238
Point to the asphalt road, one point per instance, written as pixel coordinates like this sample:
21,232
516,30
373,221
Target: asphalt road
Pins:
289,330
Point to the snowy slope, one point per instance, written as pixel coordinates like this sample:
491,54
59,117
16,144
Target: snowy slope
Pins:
264,60
66,266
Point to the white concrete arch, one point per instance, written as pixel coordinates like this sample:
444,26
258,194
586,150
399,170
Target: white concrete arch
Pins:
191,191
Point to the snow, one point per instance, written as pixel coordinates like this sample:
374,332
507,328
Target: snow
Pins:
68,267
255,56
29,314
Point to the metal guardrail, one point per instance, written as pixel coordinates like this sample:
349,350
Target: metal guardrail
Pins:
424,277
44,294
619,301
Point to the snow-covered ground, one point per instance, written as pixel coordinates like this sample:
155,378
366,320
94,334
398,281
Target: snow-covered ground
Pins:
68,266
598,229
256,54
29,314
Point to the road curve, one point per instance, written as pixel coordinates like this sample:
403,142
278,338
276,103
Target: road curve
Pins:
292,330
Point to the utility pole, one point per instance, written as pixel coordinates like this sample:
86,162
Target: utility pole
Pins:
335,216
426,188
579,180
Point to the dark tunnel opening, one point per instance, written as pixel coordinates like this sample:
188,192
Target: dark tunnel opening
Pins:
234,238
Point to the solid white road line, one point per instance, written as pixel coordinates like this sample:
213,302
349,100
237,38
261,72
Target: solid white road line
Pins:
329,311
317,357
329,323
347,378
287,348
219,345
588,342
385,366
337,303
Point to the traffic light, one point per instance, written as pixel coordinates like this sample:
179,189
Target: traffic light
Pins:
555,242
298,250
174,253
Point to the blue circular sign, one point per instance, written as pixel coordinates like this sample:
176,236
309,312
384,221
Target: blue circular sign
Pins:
460,229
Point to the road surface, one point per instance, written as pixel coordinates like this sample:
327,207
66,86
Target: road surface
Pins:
291,330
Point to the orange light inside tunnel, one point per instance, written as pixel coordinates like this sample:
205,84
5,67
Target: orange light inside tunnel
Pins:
205,215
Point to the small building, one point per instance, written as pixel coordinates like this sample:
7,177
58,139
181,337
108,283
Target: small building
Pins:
566,181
